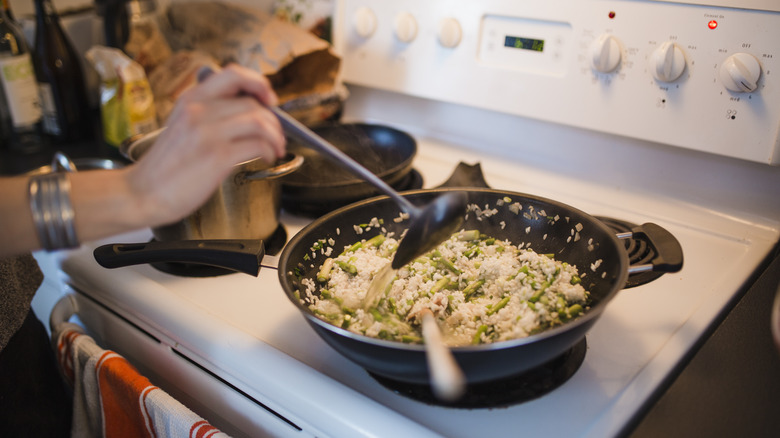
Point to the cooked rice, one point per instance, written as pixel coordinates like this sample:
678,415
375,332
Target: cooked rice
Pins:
481,290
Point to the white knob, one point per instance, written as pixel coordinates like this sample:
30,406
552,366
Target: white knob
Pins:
450,33
667,62
405,27
740,72
365,22
605,53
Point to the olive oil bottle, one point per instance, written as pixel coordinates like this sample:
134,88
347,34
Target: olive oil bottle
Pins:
20,109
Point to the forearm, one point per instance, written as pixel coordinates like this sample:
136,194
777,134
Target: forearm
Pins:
221,122
103,204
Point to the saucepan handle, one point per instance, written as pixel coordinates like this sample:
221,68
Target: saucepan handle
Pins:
62,162
668,252
290,163
237,255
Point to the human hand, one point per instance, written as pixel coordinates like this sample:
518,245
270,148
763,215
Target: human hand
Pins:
214,126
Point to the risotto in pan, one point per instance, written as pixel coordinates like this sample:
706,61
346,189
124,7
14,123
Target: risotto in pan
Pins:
480,289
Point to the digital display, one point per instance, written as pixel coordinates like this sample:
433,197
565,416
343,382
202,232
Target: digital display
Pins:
524,43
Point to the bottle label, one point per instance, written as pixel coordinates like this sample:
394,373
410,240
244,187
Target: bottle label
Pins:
21,89
50,122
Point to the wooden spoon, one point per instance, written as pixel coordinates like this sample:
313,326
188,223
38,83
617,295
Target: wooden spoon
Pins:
447,380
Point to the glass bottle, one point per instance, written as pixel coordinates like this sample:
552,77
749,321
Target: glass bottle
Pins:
20,109
67,117
8,12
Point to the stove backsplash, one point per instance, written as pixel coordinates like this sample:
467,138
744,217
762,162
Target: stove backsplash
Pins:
700,78
610,129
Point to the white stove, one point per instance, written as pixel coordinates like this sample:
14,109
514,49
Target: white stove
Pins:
558,99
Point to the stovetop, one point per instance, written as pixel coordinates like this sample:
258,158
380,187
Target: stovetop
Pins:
560,122
227,323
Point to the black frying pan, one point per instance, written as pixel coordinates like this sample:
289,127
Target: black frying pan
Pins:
385,151
535,224
545,225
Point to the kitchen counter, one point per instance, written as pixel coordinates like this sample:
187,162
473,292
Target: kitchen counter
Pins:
15,163
731,386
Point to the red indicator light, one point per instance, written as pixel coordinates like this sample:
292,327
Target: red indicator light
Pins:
611,14
712,24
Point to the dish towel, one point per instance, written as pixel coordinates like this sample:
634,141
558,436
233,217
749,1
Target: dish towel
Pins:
111,399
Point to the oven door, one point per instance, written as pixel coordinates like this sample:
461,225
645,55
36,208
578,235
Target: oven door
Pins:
224,405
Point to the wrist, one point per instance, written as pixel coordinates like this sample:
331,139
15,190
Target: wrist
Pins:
105,204
52,210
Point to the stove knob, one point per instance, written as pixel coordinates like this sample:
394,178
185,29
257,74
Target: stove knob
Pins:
365,22
740,73
450,33
667,62
405,27
605,53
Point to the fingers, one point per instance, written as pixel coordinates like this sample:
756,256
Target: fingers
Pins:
234,80
251,135
215,125
233,119
228,102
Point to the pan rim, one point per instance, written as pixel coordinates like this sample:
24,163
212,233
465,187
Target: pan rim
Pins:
390,175
586,318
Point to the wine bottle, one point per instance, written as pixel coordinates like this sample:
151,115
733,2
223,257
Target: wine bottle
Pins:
20,109
67,117
8,12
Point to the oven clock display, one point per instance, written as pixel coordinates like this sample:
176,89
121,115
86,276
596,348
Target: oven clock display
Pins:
524,43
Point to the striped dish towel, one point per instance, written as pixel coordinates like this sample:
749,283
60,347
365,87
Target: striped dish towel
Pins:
111,399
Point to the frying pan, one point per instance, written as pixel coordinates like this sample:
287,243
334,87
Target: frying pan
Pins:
545,225
385,151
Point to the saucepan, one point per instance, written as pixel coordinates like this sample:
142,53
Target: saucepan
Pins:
62,163
246,205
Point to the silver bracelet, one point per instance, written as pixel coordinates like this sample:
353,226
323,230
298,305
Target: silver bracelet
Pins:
52,211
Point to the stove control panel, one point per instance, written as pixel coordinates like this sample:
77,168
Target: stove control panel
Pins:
689,75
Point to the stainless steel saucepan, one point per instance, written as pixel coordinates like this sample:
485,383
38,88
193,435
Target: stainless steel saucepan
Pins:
246,205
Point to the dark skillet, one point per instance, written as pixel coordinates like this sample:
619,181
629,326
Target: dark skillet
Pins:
385,151
547,226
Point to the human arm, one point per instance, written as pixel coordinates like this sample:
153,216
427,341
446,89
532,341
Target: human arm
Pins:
214,126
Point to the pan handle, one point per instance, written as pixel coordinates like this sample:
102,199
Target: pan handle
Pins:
290,163
668,252
237,255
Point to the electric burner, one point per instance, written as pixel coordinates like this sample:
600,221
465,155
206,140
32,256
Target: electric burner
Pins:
640,251
504,392
273,245
316,208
